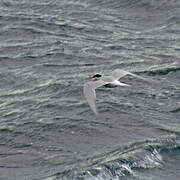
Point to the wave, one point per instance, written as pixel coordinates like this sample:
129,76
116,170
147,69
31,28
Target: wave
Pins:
162,71
160,4
124,162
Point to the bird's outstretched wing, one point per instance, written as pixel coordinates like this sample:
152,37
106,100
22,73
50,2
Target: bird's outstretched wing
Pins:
119,73
90,94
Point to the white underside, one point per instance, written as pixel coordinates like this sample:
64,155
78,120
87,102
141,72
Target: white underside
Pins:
118,83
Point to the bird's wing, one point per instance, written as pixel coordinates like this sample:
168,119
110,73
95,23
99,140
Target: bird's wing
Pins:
90,94
119,73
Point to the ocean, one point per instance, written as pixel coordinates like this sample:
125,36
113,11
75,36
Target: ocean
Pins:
48,51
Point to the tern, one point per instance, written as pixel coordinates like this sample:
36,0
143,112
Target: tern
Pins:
108,81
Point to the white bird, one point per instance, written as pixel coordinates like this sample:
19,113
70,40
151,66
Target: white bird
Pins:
109,81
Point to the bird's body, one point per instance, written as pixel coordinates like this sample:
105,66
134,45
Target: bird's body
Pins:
107,81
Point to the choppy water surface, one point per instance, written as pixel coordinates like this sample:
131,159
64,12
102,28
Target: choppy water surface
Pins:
48,49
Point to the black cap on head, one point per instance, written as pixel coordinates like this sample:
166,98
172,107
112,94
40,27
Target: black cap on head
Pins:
97,75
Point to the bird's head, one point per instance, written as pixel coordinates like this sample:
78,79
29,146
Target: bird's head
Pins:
96,77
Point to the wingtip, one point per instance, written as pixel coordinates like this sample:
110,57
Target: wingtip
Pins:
95,111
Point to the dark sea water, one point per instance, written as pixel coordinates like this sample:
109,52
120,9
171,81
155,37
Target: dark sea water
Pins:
48,49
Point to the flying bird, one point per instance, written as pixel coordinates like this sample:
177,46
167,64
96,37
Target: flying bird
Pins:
108,81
